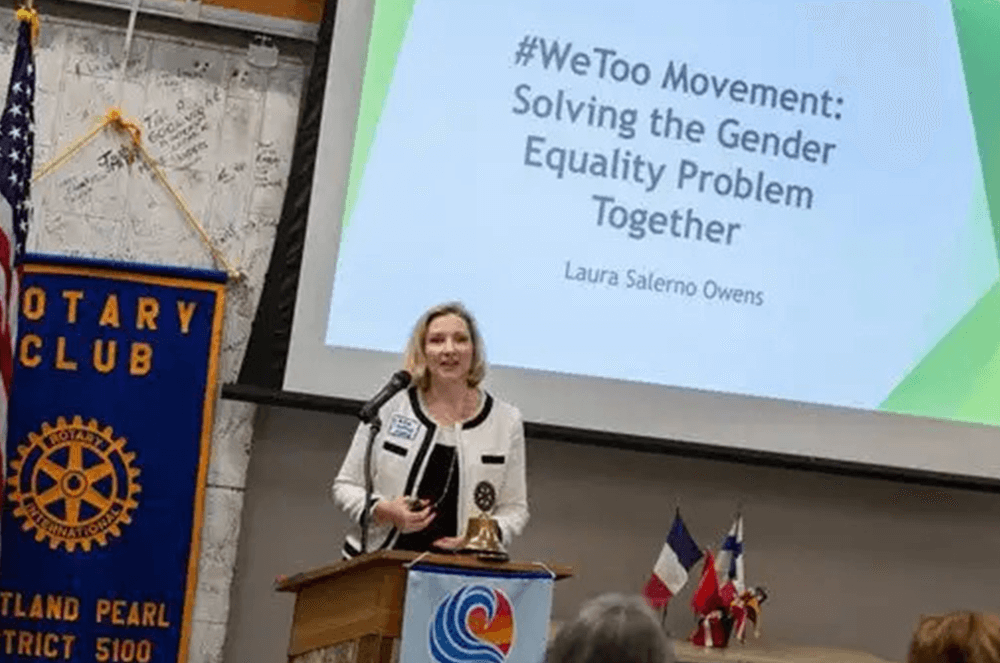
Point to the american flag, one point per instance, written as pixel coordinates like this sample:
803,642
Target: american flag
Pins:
17,138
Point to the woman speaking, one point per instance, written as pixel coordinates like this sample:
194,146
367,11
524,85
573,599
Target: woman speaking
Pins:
439,440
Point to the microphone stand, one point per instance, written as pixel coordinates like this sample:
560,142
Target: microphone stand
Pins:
374,426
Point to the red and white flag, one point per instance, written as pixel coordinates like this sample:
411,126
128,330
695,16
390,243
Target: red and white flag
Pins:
17,140
708,606
747,609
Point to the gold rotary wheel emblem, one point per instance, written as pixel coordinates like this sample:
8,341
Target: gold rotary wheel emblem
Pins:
74,483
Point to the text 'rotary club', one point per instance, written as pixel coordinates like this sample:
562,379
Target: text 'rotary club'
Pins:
107,313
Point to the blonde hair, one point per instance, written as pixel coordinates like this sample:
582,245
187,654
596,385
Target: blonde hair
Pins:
415,360
957,637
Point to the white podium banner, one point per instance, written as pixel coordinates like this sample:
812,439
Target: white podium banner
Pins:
465,616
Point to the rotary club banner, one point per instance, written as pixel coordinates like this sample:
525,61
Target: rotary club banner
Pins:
465,616
111,413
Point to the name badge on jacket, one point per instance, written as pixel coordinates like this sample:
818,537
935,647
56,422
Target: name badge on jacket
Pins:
403,427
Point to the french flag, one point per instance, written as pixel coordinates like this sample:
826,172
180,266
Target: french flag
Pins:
670,572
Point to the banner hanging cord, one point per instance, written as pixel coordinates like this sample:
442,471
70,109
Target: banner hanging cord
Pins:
115,120
127,51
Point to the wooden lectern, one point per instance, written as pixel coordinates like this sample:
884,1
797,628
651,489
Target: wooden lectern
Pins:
352,611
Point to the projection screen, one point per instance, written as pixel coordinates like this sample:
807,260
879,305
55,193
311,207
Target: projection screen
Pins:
765,225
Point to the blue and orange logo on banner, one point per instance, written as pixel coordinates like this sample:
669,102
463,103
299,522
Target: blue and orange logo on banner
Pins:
464,615
476,621
110,426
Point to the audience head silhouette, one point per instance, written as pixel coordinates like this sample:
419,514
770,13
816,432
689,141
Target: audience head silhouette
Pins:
958,637
612,629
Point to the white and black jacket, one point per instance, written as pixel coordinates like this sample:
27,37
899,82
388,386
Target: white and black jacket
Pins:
490,447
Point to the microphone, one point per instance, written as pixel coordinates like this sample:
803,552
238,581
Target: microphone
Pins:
399,381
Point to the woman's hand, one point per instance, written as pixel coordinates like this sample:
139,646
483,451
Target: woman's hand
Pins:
399,514
449,542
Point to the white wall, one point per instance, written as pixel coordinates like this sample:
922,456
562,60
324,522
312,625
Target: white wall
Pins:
227,147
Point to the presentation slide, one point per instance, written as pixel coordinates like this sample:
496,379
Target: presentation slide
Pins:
766,198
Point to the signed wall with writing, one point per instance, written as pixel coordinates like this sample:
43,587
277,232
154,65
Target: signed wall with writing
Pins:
223,130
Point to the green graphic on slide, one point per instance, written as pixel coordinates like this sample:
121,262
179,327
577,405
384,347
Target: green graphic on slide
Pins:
954,381
389,23
960,378
978,26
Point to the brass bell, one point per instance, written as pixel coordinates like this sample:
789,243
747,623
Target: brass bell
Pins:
482,539
482,535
